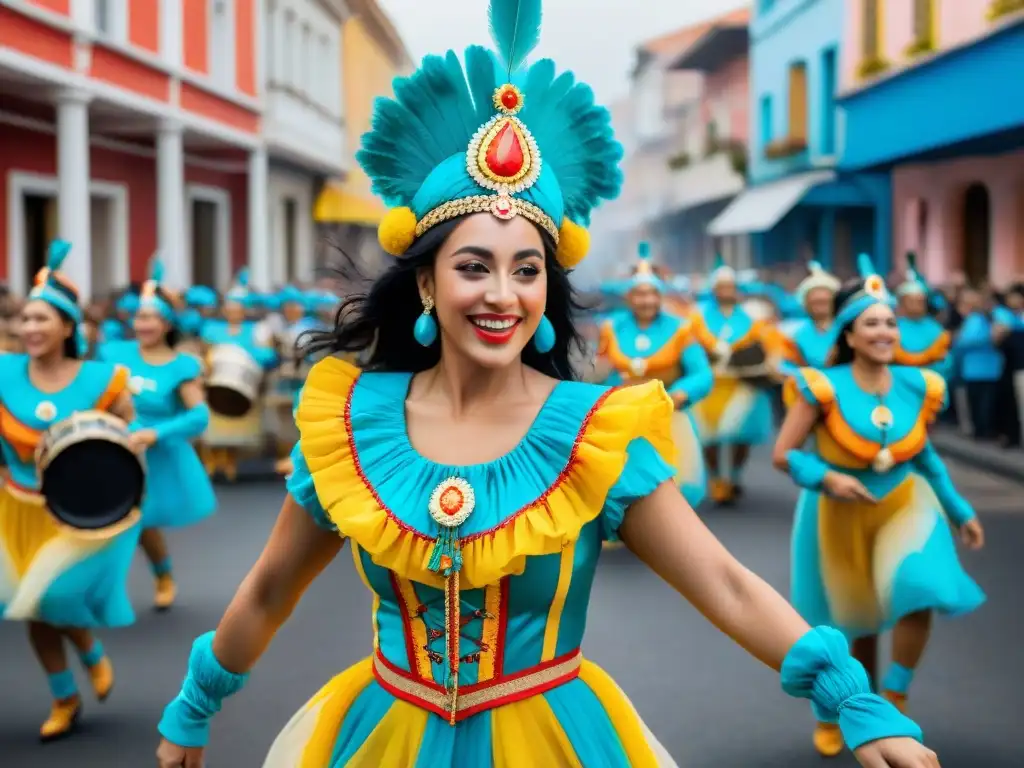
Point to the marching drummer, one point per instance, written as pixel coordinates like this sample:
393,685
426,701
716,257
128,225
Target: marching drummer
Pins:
736,414
292,322
171,411
200,305
229,434
62,583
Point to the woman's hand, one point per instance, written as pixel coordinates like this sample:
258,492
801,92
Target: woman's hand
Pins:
142,439
679,399
172,756
847,488
972,534
896,753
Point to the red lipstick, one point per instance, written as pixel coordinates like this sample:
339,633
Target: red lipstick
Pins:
495,335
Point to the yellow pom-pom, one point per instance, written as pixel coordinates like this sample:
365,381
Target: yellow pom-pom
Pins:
573,244
397,230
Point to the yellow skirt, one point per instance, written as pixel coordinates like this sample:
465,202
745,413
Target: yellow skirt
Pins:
354,723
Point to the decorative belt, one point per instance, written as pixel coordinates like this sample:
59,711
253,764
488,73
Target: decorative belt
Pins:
479,697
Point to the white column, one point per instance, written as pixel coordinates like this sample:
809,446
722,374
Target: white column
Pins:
170,207
73,199
259,232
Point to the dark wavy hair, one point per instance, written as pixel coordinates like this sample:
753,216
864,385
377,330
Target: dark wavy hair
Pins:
377,324
842,352
173,335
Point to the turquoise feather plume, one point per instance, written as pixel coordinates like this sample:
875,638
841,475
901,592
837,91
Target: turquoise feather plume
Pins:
515,29
643,250
59,250
243,277
719,261
814,266
865,266
156,269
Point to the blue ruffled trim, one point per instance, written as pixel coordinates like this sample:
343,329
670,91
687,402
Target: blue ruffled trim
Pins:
645,470
819,667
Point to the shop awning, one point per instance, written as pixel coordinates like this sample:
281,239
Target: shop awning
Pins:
338,206
760,208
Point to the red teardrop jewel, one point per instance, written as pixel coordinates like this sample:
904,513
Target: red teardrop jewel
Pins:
509,99
505,155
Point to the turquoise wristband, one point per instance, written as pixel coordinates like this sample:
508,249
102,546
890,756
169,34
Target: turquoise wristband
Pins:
186,720
819,667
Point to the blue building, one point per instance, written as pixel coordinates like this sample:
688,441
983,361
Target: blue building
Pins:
799,205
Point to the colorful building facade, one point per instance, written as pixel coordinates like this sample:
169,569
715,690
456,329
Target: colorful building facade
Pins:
373,55
799,206
132,128
931,92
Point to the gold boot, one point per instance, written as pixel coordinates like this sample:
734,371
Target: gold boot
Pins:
828,739
64,714
898,700
165,592
102,676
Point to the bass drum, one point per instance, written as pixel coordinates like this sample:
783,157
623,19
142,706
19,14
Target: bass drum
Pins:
92,480
751,365
233,385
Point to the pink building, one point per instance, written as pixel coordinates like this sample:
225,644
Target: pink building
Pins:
928,96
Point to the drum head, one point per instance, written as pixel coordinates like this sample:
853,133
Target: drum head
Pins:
93,484
227,402
748,357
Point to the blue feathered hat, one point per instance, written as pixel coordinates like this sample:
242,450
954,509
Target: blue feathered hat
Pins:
643,272
200,296
489,134
818,278
148,296
871,293
721,273
239,293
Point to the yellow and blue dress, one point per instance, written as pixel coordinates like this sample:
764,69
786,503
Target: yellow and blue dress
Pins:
178,490
47,572
734,412
667,351
490,672
924,343
861,567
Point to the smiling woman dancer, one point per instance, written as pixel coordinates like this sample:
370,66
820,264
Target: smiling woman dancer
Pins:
475,482
64,585
871,546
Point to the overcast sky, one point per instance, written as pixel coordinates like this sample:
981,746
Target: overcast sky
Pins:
595,38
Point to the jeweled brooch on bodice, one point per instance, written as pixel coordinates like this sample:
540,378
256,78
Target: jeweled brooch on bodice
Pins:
503,155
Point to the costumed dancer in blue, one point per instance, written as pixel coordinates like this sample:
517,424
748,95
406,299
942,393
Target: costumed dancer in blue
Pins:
167,389
806,342
923,342
648,343
228,436
475,482
63,582
872,544
119,326
200,305
737,414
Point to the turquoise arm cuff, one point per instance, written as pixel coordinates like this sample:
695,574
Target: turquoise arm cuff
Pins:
819,667
806,469
186,720
190,423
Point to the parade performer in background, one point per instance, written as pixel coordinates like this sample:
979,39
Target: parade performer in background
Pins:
200,305
872,549
474,481
923,342
64,583
806,342
648,343
119,325
239,354
737,414
170,412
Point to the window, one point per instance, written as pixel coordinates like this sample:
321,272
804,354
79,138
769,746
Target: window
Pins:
222,43
828,101
308,82
798,101
766,117
870,28
924,26
109,19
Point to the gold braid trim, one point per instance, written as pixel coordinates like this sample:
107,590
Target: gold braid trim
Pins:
482,204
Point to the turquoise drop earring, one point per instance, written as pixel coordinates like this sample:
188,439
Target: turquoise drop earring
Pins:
544,338
425,330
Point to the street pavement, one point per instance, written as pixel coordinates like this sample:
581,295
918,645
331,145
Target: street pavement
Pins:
710,704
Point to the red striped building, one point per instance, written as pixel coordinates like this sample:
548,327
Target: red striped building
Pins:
130,127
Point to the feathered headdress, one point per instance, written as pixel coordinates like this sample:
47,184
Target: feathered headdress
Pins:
239,292
817,278
57,290
914,284
722,272
489,134
150,298
644,272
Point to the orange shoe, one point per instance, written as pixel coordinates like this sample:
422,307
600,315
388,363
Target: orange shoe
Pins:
64,714
898,700
102,676
165,592
722,491
828,739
